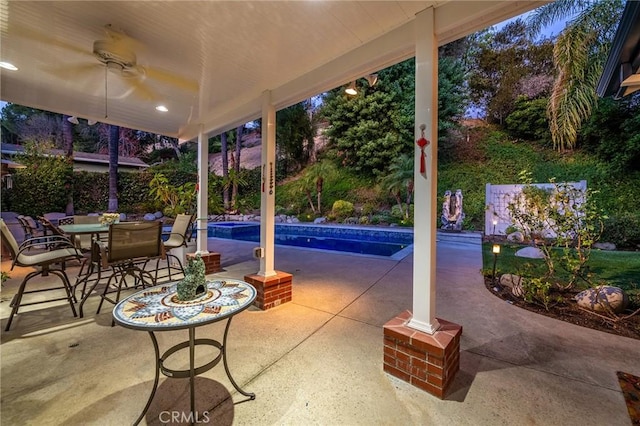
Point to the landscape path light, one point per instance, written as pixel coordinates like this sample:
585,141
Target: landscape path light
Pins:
496,251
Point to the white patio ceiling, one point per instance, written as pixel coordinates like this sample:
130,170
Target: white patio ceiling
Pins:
209,62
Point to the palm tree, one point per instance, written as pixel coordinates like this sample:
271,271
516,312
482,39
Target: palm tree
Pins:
579,55
319,172
399,179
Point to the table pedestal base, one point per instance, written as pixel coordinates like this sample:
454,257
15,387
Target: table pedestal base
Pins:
193,371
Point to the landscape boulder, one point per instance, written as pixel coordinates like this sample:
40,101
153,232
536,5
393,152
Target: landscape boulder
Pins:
515,237
603,299
604,246
149,216
513,282
320,220
530,252
158,215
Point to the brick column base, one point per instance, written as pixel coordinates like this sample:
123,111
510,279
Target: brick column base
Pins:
272,291
427,361
211,262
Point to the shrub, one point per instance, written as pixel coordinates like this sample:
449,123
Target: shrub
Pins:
564,217
529,120
623,230
43,185
342,209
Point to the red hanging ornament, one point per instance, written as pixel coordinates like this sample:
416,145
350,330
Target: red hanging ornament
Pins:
422,143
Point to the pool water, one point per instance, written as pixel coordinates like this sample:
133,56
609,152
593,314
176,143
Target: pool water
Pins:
368,241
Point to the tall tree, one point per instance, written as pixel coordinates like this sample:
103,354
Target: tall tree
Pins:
295,131
114,138
224,148
578,55
236,167
505,59
67,135
370,130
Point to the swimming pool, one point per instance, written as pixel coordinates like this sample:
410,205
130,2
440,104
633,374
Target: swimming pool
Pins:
361,240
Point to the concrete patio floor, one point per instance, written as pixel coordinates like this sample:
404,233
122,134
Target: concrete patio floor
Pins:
318,359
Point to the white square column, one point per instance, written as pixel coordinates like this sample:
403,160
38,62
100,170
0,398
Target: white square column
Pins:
268,187
202,193
425,184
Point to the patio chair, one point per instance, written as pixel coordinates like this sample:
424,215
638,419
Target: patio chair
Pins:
50,229
85,241
44,262
30,227
67,220
179,236
129,247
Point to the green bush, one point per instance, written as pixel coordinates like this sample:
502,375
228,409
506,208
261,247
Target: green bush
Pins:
342,209
42,186
529,120
623,231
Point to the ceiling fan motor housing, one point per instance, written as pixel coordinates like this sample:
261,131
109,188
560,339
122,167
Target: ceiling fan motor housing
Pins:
114,56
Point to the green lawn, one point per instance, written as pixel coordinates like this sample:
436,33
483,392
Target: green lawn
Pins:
617,268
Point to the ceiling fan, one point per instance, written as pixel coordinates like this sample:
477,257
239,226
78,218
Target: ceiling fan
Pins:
117,54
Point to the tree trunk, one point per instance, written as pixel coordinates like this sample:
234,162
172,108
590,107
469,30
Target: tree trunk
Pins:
67,135
225,170
319,183
236,167
114,137
313,208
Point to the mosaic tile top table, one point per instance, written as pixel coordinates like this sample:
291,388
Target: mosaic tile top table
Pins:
159,309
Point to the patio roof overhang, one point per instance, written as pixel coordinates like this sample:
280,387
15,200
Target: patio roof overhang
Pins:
621,75
210,62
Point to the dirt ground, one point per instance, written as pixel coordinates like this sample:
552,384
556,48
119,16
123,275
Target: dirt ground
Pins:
568,311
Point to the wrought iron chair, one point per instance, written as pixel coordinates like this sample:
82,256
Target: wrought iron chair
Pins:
179,236
43,261
129,247
30,227
52,230
67,220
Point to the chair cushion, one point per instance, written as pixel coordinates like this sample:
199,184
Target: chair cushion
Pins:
48,257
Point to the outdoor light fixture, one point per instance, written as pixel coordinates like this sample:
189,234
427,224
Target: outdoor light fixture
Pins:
372,79
162,108
351,90
496,251
73,120
495,222
8,66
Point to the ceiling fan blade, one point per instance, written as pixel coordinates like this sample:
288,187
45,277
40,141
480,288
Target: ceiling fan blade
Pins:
171,78
141,90
48,40
75,70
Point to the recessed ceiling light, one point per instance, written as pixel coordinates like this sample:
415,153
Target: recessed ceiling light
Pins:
162,108
8,66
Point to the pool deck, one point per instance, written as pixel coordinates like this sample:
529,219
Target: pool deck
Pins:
318,359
